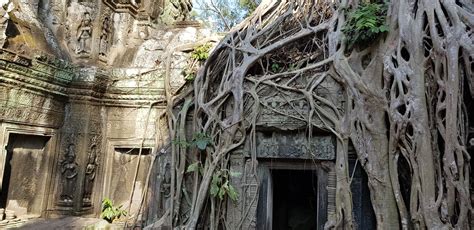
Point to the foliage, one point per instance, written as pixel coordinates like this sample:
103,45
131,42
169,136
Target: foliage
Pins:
111,212
222,15
200,140
275,67
365,24
194,167
220,185
249,5
189,76
201,53
181,143
198,55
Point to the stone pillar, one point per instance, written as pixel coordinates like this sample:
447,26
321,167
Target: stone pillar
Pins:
81,149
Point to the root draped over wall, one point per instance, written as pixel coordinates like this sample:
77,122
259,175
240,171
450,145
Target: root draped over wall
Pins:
404,108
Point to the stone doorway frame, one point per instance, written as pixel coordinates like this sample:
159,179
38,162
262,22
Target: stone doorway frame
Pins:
51,156
319,167
107,170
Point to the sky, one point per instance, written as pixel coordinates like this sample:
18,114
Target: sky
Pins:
204,11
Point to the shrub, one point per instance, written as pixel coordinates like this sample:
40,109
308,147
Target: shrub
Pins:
365,24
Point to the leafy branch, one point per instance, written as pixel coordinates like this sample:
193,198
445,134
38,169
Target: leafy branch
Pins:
220,185
200,140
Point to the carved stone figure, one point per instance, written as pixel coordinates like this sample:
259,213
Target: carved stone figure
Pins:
5,8
90,176
184,7
165,189
153,8
69,176
104,38
84,34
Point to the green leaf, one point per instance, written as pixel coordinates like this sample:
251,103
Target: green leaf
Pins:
111,212
233,195
201,144
221,193
201,53
201,140
216,178
275,67
190,77
194,167
365,23
383,28
214,190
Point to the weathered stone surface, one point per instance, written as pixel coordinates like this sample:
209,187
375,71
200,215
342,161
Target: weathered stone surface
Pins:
295,146
88,77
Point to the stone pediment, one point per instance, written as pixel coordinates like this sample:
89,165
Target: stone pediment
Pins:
291,110
280,113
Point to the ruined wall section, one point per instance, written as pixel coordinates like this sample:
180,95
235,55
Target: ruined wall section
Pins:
99,33
98,107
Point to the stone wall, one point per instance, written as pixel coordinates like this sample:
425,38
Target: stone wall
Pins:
81,89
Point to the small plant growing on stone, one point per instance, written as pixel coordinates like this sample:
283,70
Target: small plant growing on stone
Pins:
111,212
275,67
365,24
201,53
198,56
220,185
189,75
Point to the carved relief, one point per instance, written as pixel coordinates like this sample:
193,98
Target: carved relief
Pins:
84,35
5,8
124,6
23,106
69,173
250,193
105,38
291,110
277,112
90,172
280,145
184,7
166,188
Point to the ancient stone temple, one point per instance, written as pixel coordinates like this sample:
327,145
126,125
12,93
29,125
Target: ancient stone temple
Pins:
81,86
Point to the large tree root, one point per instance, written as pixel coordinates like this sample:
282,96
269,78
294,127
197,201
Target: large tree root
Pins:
404,110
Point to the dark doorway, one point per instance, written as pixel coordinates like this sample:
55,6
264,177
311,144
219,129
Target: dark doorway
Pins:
24,174
294,199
